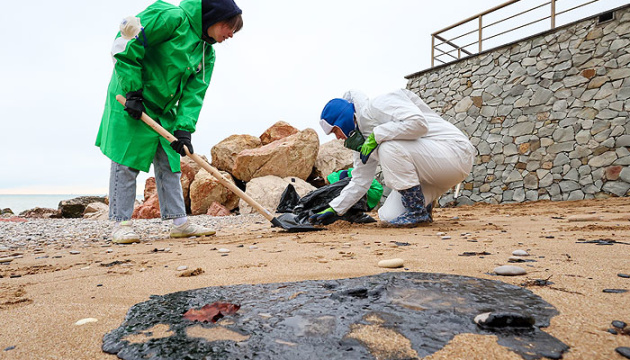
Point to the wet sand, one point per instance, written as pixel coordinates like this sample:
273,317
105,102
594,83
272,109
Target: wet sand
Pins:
45,290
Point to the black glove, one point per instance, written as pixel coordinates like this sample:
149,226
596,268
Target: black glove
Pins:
134,106
183,138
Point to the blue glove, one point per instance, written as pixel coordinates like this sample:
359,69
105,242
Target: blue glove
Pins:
368,147
322,216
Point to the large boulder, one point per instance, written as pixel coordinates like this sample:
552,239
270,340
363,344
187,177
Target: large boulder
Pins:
290,156
150,207
267,191
96,211
206,189
74,208
332,157
277,131
224,153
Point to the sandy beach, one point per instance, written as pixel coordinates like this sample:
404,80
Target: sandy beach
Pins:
49,285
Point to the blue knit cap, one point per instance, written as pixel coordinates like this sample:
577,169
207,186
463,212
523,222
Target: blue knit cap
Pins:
339,113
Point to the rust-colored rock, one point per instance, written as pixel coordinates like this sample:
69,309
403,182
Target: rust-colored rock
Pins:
612,172
588,73
291,156
224,153
277,131
149,188
217,209
149,209
206,189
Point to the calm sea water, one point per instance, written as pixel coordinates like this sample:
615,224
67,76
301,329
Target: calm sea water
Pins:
19,203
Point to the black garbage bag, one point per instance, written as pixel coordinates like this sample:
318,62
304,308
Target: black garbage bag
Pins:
318,200
288,200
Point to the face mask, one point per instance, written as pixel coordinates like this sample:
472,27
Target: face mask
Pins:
354,141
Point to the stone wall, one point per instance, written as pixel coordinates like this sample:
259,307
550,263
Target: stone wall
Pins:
549,115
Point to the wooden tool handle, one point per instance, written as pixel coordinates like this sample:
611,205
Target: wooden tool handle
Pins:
196,158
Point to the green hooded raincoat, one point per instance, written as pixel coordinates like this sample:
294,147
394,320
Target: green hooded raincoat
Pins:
173,68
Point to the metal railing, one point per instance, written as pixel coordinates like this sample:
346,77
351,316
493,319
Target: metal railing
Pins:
472,41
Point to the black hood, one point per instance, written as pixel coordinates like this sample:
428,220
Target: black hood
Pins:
214,11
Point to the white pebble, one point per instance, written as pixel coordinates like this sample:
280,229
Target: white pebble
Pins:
391,263
74,252
224,250
520,253
85,321
509,270
446,237
481,318
441,233
182,268
253,247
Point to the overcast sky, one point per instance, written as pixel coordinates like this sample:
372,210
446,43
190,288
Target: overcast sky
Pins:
290,58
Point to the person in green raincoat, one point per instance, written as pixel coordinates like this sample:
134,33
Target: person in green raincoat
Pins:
163,62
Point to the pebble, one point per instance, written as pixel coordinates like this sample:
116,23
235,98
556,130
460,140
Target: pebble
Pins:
575,218
615,291
441,233
224,251
520,253
391,263
85,321
110,250
182,268
509,270
625,276
446,237
619,324
6,259
9,348
623,351
74,252
253,247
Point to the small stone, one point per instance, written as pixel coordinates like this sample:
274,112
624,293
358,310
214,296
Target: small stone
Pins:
615,291
446,237
9,348
391,263
613,331
182,268
504,320
619,324
520,253
509,270
85,321
253,247
6,259
110,250
441,233
576,218
625,276
74,252
224,251
623,351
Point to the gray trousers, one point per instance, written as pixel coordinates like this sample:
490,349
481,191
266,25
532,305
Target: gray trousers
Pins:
122,189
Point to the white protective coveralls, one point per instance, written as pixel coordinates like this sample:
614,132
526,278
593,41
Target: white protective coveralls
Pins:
415,147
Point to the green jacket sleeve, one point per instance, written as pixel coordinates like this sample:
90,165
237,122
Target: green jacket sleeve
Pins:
193,94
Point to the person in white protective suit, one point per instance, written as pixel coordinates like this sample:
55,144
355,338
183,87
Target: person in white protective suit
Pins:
421,155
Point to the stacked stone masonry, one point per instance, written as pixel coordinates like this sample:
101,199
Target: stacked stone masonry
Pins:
548,115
